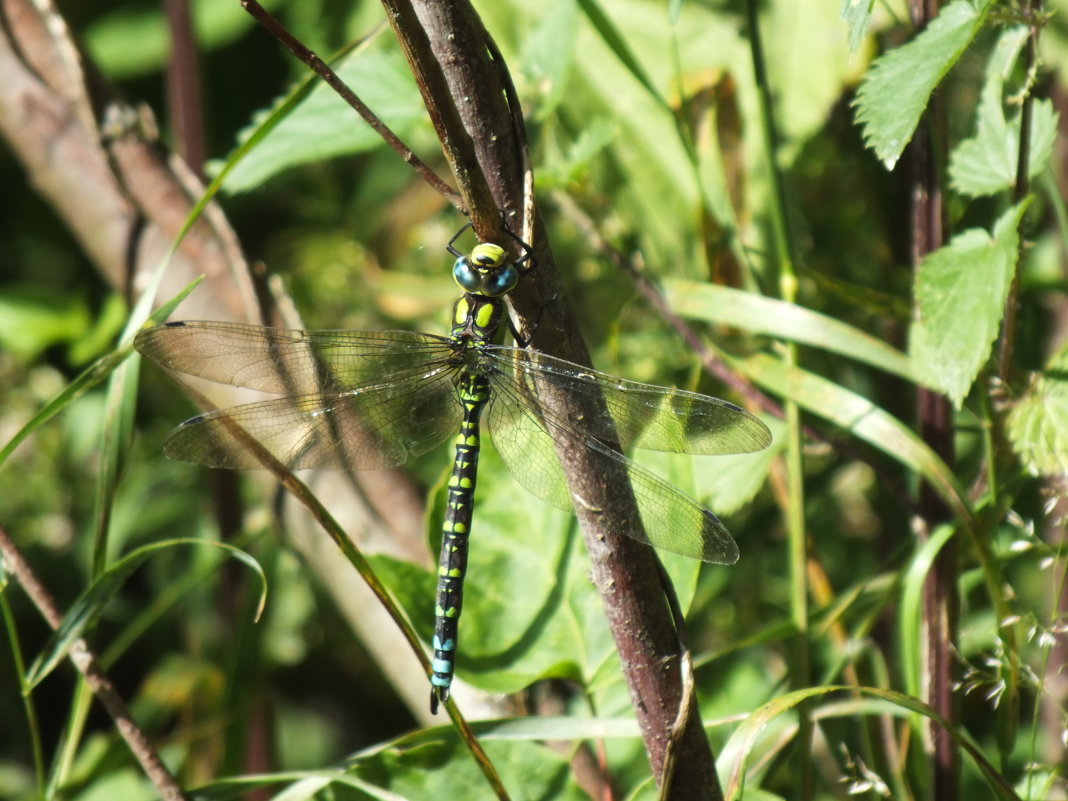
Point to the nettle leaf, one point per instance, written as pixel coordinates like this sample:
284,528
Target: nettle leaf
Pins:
986,163
857,14
960,295
1038,425
893,95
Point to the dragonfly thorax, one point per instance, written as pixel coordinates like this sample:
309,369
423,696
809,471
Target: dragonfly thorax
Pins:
476,318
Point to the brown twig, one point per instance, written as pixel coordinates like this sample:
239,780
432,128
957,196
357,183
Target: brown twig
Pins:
927,151
449,53
186,108
1031,9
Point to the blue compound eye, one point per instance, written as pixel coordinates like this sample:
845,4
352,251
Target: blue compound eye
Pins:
469,279
500,281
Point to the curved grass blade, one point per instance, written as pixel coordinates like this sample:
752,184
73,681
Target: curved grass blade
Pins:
91,602
778,318
860,417
742,741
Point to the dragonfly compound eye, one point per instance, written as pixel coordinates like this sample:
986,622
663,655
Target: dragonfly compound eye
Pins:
500,281
467,276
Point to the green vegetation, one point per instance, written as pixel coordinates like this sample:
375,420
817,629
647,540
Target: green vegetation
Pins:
911,368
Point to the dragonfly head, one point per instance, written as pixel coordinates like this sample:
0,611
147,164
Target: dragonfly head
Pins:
486,270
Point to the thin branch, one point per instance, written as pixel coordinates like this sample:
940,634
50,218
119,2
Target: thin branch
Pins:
712,363
441,41
320,68
1032,10
935,416
186,107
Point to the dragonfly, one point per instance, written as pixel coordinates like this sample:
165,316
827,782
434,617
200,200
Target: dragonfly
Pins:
375,399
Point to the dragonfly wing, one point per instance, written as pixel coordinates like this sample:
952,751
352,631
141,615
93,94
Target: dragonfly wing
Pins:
670,520
287,362
364,428
642,415
526,448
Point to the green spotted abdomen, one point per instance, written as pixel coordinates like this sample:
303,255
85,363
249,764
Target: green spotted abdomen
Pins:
474,393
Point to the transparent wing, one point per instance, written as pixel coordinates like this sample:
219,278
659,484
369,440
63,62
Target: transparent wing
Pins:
671,520
640,415
288,362
364,428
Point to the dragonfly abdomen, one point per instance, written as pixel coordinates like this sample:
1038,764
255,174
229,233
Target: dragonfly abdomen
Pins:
474,394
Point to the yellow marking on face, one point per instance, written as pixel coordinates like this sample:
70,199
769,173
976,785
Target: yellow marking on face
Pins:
487,255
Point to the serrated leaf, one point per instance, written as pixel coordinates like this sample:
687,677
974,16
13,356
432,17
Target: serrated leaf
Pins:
960,296
857,14
894,93
1038,425
987,163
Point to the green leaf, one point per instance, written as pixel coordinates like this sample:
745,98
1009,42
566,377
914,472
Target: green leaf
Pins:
444,769
510,632
615,40
35,319
911,619
740,747
894,93
530,611
857,14
987,163
323,126
548,55
1038,425
960,295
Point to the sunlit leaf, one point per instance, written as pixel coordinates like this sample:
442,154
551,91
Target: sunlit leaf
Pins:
987,163
895,91
789,321
323,126
960,293
1038,425
857,14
